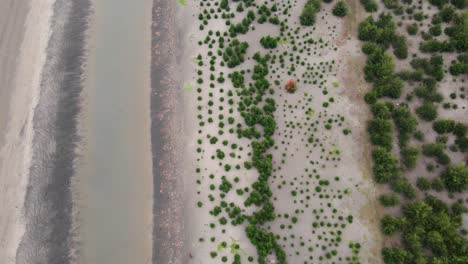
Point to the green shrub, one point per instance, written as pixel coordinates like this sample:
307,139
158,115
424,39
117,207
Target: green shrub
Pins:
308,15
409,156
380,131
389,200
369,5
455,178
391,225
269,42
412,29
423,184
396,256
385,168
340,9
400,48
427,112
444,126
403,186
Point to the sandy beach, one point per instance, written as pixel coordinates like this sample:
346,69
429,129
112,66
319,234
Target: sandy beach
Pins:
24,42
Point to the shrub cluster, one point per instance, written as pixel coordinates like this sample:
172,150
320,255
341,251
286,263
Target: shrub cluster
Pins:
309,13
429,234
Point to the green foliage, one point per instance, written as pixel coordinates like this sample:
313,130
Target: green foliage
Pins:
389,87
403,186
225,185
405,122
385,168
460,66
436,30
432,45
427,112
340,9
265,242
455,178
237,79
269,42
308,15
370,97
438,3
234,54
381,110
381,31
390,224
380,131
395,256
379,66
412,29
400,48
460,4
430,230
433,67
436,150
458,37
427,91
462,143
213,140
442,126
389,200
423,184
409,156
369,5
237,259
391,4
447,13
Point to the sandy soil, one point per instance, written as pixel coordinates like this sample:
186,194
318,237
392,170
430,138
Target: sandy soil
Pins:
354,167
16,151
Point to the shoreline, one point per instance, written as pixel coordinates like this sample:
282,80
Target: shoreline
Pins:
166,124
16,148
48,234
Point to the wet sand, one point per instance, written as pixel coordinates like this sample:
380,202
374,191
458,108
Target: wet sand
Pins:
76,182
24,33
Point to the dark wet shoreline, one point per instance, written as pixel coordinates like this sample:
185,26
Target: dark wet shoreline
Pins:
166,123
48,202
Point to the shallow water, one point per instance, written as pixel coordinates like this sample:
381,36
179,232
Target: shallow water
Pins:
115,179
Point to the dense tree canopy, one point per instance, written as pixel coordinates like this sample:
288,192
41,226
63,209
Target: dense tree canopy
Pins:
456,178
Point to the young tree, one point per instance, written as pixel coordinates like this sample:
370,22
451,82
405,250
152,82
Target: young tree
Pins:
311,8
455,178
427,112
395,256
385,167
400,48
442,126
340,9
390,224
269,42
423,184
369,5
389,200
409,156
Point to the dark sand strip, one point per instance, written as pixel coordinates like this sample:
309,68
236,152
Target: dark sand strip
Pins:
166,126
47,238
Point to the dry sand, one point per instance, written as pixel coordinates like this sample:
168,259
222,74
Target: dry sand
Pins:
354,167
16,150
